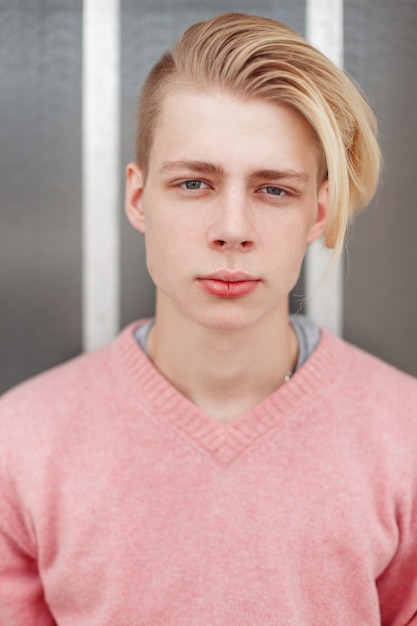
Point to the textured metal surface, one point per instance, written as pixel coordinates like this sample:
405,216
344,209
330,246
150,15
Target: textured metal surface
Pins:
381,290
148,28
40,186
324,29
101,172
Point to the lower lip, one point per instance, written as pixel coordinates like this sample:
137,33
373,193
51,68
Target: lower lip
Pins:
228,289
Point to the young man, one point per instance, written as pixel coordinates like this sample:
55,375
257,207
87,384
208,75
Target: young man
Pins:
223,463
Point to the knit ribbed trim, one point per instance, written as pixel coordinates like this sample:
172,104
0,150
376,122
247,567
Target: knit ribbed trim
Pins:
225,442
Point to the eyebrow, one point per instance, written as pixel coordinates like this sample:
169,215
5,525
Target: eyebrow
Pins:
206,167
202,167
291,174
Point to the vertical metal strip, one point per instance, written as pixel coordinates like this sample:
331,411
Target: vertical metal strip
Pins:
100,168
324,29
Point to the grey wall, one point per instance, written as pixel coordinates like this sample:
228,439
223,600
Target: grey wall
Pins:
40,185
40,171
381,287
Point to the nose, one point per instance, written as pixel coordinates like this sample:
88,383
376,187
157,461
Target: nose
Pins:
231,225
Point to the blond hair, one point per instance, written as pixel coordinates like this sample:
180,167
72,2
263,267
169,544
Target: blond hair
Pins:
256,57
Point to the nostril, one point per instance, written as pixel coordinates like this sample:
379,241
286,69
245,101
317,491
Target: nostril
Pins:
243,245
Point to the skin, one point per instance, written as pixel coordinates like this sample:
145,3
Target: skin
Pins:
232,186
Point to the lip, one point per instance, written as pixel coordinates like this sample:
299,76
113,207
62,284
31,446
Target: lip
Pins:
229,284
229,276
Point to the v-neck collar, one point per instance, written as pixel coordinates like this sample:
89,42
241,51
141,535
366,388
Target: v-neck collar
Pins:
225,442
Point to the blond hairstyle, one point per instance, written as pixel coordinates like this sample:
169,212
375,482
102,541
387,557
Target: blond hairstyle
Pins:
256,57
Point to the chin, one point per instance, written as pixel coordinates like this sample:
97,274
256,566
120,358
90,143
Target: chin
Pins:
228,321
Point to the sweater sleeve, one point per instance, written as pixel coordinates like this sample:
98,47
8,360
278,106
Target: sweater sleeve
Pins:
22,600
397,585
21,595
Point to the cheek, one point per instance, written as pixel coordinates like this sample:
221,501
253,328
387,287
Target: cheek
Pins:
172,230
285,247
167,252
287,239
157,252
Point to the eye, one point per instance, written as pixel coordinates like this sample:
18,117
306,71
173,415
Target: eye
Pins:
193,184
273,191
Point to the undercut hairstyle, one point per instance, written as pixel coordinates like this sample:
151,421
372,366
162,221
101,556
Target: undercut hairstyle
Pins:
253,57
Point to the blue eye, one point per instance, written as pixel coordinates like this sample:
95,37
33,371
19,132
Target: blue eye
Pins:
193,184
274,191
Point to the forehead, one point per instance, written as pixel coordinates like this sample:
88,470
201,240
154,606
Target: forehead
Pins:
235,132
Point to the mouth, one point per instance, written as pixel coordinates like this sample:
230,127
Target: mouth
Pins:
229,284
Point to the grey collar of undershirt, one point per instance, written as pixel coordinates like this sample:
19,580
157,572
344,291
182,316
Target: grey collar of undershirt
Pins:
306,329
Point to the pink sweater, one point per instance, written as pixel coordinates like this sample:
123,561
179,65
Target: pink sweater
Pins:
121,503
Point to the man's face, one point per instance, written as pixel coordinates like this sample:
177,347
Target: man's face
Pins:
230,202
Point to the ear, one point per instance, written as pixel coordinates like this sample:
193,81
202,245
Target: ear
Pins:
134,197
320,222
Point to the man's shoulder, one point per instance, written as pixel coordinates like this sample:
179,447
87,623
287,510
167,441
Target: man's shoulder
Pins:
65,388
61,378
366,375
376,365
337,355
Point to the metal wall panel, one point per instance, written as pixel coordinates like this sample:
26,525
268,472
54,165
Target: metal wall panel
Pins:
148,28
40,185
381,289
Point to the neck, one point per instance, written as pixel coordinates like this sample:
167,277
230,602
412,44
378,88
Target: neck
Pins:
225,373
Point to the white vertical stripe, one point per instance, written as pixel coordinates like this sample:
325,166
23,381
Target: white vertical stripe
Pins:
101,167
324,26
